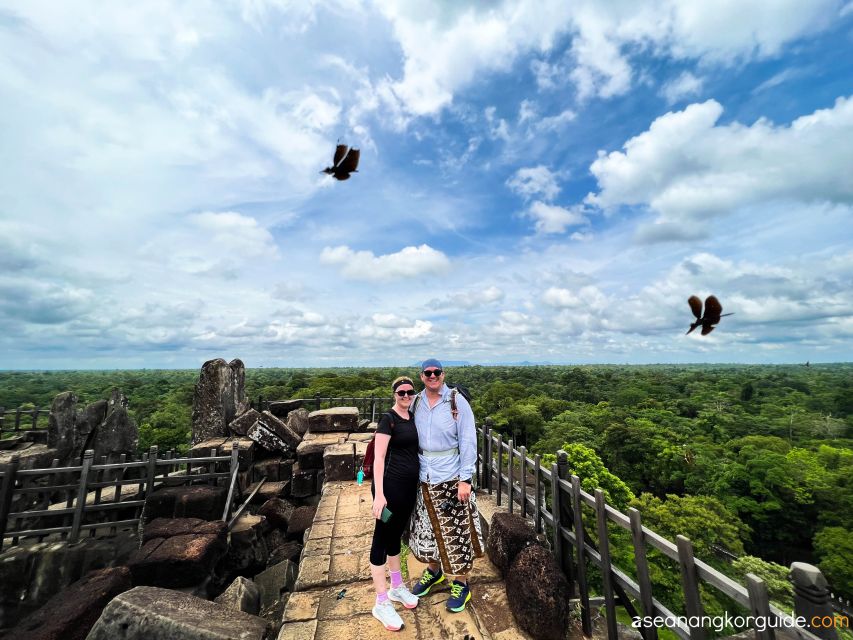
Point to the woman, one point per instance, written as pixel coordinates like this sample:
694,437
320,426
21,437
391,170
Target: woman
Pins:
395,481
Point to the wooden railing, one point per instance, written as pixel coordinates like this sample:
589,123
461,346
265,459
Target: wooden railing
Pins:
68,502
527,486
18,421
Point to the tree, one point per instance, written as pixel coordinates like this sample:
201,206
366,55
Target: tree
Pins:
834,547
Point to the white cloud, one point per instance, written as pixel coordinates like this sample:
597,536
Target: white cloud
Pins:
683,86
445,46
687,167
470,299
555,219
409,262
532,182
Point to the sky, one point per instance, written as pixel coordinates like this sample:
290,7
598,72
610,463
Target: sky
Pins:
541,181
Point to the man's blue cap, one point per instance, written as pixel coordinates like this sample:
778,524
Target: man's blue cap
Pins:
431,362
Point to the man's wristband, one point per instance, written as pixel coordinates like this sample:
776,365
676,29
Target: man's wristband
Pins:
468,481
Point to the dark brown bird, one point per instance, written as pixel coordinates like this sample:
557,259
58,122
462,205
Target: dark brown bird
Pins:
713,313
344,163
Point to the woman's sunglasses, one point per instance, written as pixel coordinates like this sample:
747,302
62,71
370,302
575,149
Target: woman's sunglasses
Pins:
433,372
407,392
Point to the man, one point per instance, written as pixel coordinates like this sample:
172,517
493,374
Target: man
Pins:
445,527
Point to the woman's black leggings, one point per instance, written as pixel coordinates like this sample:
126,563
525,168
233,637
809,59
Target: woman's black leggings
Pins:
386,535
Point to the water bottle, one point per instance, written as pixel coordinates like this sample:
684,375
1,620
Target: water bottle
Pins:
359,477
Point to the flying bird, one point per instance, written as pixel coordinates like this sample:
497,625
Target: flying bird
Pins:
344,163
713,313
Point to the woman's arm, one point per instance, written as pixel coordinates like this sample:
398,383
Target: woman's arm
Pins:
380,451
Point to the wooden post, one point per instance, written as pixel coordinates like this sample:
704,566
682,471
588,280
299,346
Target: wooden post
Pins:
119,476
7,491
509,490
99,476
17,419
555,514
2,418
316,402
211,466
235,465
74,536
537,483
523,481
35,418
606,574
566,516
151,470
586,619
759,605
644,581
499,466
487,454
690,585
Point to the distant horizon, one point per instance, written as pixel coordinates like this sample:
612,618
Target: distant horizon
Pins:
453,366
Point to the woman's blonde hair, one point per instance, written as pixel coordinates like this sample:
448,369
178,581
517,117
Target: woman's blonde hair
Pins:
398,381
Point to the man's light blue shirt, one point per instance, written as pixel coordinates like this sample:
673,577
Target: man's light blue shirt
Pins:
438,431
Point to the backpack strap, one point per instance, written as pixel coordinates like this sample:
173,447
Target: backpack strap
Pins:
454,410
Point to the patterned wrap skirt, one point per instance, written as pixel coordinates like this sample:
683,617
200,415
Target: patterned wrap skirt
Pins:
444,530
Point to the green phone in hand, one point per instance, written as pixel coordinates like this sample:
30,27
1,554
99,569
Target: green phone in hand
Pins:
386,514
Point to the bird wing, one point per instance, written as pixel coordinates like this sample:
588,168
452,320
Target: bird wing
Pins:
340,152
695,305
713,309
707,328
350,163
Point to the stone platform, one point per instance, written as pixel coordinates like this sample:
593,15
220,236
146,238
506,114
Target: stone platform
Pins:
333,594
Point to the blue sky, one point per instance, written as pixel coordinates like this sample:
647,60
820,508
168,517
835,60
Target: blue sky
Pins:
540,181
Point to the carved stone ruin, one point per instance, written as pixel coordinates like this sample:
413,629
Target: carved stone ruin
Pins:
218,398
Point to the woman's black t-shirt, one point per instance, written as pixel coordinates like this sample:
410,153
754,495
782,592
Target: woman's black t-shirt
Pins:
401,460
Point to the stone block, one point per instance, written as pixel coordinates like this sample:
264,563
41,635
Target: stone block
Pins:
267,439
248,552
70,614
360,437
202,449
297,420
290,550
150,613
509,533
280,428
285,470
245,451
321,479
242,423
338,462
274,581
218,397
538,594
282,408
268,468
179,561
360,450
171,527
241,595
277,512
300,520
335,419
269,490
197,501
363,424
303,483
309,453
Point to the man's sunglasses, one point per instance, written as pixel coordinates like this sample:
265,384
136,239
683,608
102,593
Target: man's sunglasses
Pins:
433,372
407,392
